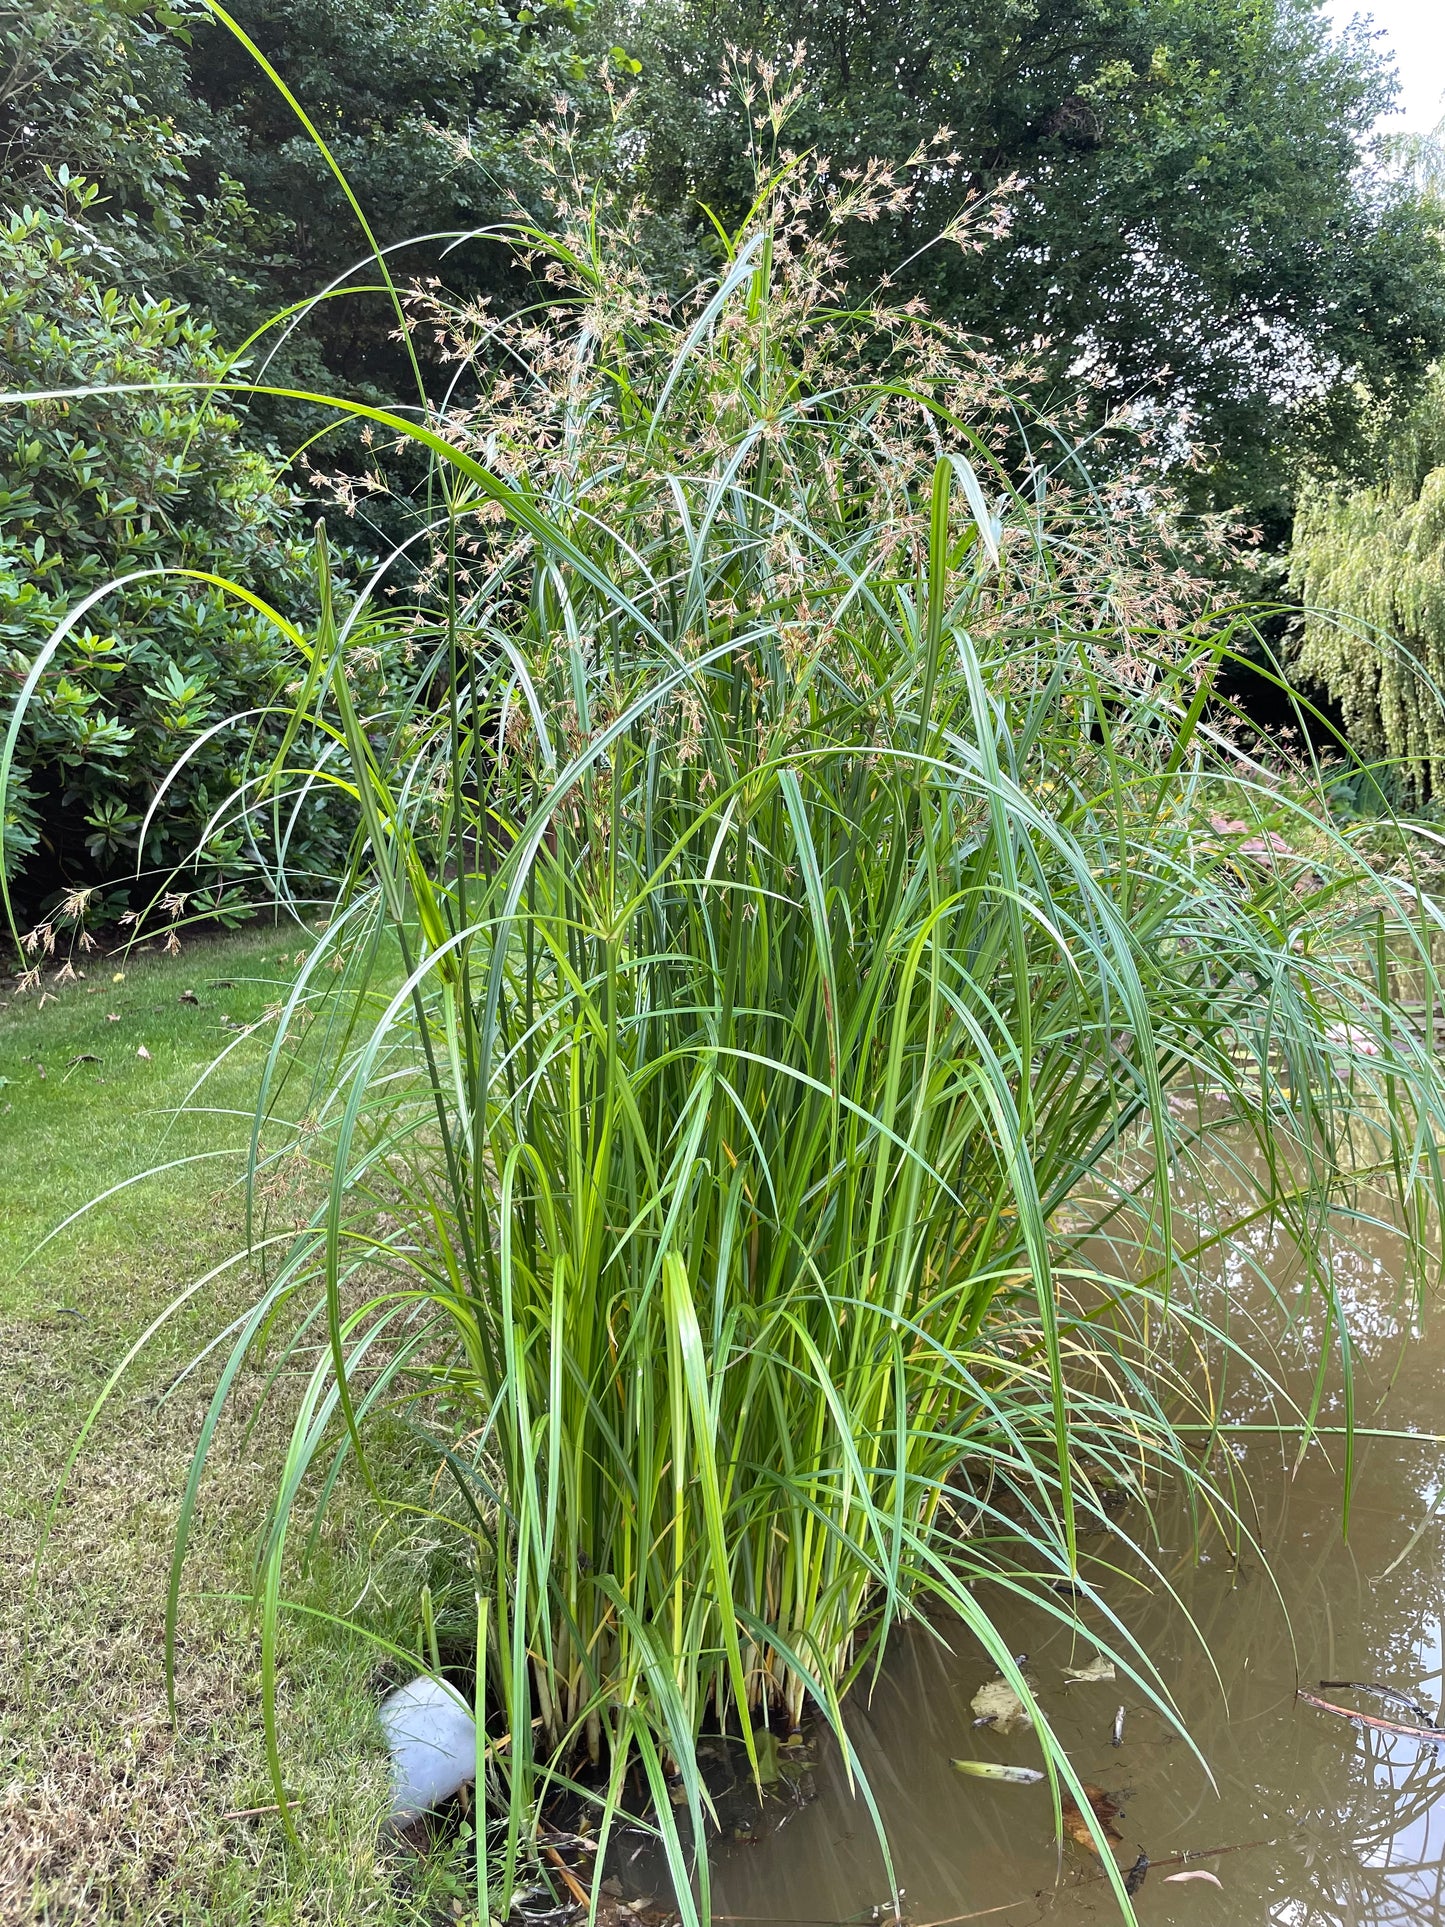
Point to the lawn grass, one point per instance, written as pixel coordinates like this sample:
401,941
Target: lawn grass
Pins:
81,1109
106,1811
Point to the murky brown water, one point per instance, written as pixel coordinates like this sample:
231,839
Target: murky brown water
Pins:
1354,1822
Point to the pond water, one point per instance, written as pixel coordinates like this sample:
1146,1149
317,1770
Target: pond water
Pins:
1325,1822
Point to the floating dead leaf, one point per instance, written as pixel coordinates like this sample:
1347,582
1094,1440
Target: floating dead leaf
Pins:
1194,1873
994,1770
1097,1668
1106,1812
996,1704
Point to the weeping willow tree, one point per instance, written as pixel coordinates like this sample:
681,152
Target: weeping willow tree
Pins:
1369,567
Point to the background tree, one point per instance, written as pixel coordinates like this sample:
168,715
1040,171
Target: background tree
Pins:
213,193
130,250
1368,564
1203,234
1202,227
426,106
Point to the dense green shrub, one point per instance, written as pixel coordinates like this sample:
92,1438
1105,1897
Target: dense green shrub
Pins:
98,88
425,104
118,487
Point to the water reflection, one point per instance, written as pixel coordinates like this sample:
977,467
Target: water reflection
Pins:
1328,1824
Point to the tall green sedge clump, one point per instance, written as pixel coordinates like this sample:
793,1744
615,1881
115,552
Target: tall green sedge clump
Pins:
800,928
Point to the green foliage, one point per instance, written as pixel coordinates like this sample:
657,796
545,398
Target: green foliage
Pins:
112,486
213,193
427,106
1369,566
1198,217
809,889
1421,158
96,88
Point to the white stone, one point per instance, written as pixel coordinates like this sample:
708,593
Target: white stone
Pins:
433,1741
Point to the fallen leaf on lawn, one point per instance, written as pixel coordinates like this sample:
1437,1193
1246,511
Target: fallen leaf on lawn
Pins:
997,1703
85,1057
143,1052
189,997
1097,1668
992,1770
1195,1873
1106,1811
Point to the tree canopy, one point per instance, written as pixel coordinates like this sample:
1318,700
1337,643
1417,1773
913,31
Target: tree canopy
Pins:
425,106
1368,565
1201,224
1201,233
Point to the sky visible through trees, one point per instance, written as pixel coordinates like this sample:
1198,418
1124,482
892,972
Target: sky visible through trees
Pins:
1414,33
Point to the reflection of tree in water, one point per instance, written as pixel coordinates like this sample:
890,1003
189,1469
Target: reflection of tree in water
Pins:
1379,1857
1358,1815
1357,1820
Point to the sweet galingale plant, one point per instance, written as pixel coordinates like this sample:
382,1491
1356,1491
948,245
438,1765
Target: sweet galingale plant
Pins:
804,923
